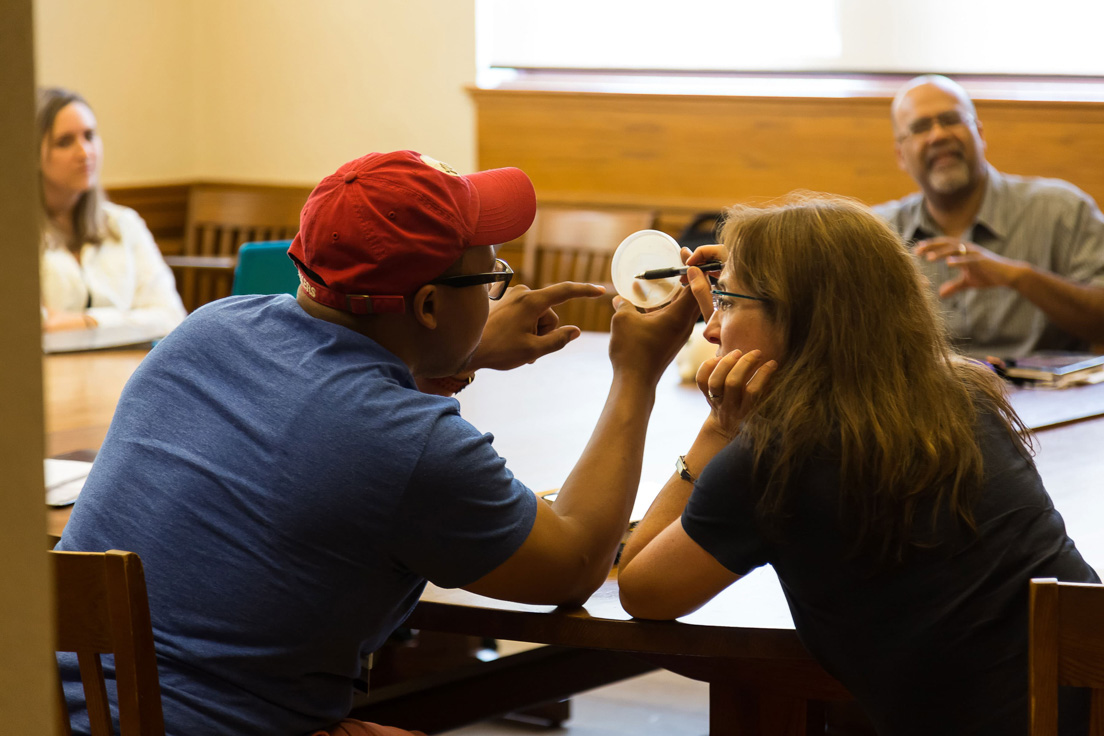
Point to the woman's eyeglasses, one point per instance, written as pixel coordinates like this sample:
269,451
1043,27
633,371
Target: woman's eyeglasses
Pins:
722,299
496,281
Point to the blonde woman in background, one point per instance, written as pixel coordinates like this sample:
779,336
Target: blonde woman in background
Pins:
886,479
100,265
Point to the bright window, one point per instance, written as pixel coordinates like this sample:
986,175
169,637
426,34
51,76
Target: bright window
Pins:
1016,37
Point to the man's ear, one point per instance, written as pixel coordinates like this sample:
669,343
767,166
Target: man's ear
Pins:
900,157
424,306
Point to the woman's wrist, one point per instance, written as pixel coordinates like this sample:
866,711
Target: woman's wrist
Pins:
68,321
710,440
712,430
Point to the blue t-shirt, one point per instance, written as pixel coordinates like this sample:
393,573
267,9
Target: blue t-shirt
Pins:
934,645
289,491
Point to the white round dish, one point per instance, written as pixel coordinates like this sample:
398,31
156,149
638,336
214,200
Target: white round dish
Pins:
643,251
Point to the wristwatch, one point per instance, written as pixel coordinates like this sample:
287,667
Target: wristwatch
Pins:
683,471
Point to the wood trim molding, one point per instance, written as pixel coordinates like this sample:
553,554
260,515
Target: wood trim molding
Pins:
689,153
773,85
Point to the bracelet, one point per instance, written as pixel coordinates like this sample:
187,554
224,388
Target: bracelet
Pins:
453,384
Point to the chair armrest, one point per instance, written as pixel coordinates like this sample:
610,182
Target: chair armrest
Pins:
214,263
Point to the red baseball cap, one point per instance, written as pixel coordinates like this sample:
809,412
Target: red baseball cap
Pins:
387,223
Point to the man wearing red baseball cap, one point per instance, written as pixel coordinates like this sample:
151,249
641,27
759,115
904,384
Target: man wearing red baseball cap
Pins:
290,489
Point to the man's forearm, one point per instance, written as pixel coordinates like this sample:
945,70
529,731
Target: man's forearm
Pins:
1076,308
600,491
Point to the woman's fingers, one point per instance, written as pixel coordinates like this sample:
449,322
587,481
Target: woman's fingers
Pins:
703,291
733,380
733,383
705,370
715,385
737,377
759,381
703,253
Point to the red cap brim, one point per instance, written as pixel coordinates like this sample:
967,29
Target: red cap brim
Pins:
507,205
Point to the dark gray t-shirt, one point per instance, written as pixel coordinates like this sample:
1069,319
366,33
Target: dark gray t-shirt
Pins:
936,645
289,491
1048,223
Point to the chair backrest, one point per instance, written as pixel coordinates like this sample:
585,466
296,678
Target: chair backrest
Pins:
264,268
102,608
702,230
220,219
577,245
1066,649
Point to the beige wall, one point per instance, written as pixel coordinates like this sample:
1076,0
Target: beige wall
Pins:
129,59
269,91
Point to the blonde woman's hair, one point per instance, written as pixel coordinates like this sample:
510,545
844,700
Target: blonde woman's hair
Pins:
867,375
90,224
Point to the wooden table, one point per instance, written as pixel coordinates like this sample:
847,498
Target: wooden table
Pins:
81,392
743,642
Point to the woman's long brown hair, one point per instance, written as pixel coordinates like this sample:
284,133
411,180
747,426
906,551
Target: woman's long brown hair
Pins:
90,225
867,375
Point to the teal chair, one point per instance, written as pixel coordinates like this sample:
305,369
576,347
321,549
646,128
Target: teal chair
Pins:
264,268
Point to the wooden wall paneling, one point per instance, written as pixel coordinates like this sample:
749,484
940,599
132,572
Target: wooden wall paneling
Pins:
1058,139
164,207
685,154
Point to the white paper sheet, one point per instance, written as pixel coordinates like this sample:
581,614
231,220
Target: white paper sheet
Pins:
64,480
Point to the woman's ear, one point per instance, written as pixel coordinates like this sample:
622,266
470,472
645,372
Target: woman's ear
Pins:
424,306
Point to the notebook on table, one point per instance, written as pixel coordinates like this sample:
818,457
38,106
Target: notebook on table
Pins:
1056,369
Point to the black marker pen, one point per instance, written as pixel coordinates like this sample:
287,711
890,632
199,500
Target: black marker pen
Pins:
666,273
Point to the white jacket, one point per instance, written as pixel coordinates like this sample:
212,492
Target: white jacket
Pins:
122,281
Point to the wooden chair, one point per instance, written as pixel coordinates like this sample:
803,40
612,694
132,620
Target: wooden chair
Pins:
102,608
577,245
219,220
1066,648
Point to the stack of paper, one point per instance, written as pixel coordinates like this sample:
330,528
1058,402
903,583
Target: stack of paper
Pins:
64,480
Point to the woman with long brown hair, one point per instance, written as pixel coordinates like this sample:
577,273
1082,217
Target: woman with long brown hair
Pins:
100,265
887,480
